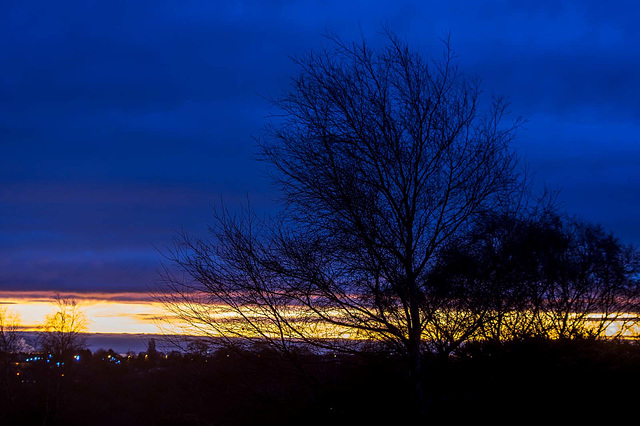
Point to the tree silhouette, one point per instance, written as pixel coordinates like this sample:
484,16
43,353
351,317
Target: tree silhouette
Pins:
9,331
10,339
63,329
382,157
489,282
594,290
544,275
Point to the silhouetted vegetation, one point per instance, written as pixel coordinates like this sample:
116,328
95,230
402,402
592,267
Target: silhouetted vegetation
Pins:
543,276
407,229
486,381
382,157
10,338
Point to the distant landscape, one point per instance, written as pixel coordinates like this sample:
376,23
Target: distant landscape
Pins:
121,343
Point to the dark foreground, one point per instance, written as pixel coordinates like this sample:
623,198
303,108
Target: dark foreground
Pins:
570,381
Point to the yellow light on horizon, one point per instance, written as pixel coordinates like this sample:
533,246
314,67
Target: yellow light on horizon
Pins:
138,313
105,314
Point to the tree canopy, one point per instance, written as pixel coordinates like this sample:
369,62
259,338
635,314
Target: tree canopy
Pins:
406,221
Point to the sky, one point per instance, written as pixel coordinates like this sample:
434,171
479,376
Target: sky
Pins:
123,122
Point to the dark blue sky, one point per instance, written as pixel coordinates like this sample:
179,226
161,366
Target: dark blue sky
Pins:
122,122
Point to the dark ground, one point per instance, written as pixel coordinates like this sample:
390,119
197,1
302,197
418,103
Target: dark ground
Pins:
524,382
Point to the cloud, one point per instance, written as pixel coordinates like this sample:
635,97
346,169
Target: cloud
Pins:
121,123
91,297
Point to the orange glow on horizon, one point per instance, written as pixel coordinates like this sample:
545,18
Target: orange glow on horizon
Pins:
140,313
107,312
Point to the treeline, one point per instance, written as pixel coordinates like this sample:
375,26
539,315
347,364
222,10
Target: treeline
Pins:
501,383
544,276
509,276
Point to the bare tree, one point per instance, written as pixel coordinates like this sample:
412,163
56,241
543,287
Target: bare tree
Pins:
64,328
549,276
10,343
9,331
594,289
382,157
489,282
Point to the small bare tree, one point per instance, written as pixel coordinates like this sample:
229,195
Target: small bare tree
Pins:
9,331
10,342
382,157
64,328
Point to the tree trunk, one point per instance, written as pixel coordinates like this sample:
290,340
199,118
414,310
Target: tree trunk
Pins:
415,377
